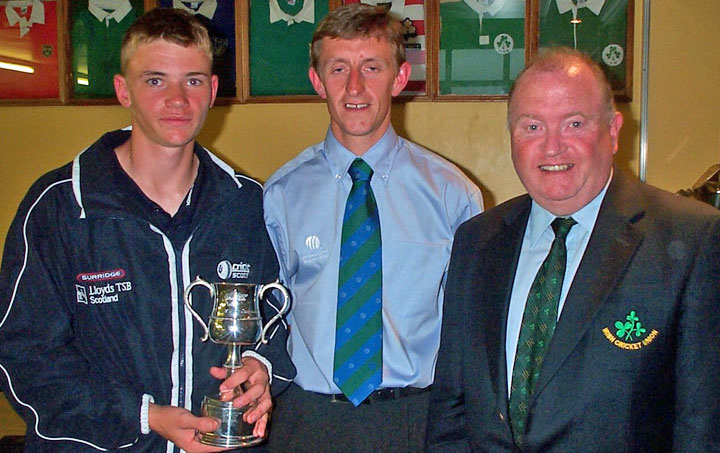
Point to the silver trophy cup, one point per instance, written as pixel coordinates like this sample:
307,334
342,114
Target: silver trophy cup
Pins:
235,321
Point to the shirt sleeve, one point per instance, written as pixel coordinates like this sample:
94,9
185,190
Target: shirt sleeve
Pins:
274,221
276,328
464,201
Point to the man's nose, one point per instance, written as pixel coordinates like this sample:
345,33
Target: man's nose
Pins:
553,143
355,84
176,95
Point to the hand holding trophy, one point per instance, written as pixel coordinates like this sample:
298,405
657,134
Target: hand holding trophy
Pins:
234,321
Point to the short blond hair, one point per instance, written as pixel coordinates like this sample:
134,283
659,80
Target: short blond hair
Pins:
168,24
358,20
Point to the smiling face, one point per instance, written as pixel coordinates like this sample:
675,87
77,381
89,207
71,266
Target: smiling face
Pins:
358,78
168,89
562,137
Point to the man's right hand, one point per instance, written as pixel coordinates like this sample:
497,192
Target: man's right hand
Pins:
180,426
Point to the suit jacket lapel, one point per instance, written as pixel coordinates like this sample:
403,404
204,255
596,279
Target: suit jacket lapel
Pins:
499,263
613,242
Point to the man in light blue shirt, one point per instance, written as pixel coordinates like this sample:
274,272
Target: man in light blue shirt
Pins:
420,198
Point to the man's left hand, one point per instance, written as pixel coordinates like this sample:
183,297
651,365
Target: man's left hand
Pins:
253,377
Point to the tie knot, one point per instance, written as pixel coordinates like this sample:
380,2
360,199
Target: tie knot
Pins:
561,226
360,171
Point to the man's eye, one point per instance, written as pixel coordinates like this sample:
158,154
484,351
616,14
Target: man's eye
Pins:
533,127
194,82
153,82
576,124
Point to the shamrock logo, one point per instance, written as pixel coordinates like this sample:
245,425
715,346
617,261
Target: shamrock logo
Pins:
631,326
613,55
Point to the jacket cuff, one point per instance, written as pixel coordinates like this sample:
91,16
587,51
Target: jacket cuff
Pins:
144,418
262,360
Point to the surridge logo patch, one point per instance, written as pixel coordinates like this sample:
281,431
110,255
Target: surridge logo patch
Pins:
630,334
101,276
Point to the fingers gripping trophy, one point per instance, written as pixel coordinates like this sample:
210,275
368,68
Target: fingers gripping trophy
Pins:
234,321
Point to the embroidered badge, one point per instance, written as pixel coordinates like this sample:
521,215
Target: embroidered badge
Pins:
630,333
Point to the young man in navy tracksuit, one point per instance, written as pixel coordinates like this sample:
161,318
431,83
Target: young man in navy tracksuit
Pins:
97,350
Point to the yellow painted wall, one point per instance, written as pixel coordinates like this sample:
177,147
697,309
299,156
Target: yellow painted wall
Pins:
684,102
684,122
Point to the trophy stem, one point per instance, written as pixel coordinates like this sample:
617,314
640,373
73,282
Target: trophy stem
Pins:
234,359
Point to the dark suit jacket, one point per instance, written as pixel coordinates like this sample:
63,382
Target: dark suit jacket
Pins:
651,253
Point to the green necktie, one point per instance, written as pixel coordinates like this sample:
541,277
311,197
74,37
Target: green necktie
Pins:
357,367
538,326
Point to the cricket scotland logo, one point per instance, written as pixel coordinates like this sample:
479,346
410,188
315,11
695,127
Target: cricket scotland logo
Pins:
630,334
227,269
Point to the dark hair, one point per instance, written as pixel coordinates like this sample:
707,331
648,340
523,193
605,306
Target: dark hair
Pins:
358,20
168,24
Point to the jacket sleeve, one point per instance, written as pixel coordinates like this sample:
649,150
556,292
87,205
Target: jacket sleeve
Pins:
446,415
47,378
697,365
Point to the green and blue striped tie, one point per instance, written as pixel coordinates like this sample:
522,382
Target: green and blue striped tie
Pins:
357,367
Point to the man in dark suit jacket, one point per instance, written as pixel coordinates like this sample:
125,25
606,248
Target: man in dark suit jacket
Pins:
632,362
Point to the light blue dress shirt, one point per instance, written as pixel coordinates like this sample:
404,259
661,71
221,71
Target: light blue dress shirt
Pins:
535,248
421,198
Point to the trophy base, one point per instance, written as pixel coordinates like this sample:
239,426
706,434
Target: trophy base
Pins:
233,431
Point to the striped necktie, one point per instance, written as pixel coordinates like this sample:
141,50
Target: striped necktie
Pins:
357,367
537,327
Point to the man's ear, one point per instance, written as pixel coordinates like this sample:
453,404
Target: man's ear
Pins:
401,79
317,82
615,125
214,87
121,90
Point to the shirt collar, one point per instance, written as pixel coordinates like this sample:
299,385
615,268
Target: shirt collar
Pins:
37,15
306,14
207,7
486,6
593,5
120,9
380,156
540,218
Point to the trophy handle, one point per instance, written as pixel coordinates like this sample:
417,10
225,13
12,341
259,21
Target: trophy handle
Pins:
210,287
283,310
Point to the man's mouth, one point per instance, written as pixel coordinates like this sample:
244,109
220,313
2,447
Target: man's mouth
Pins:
356,106
558,167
